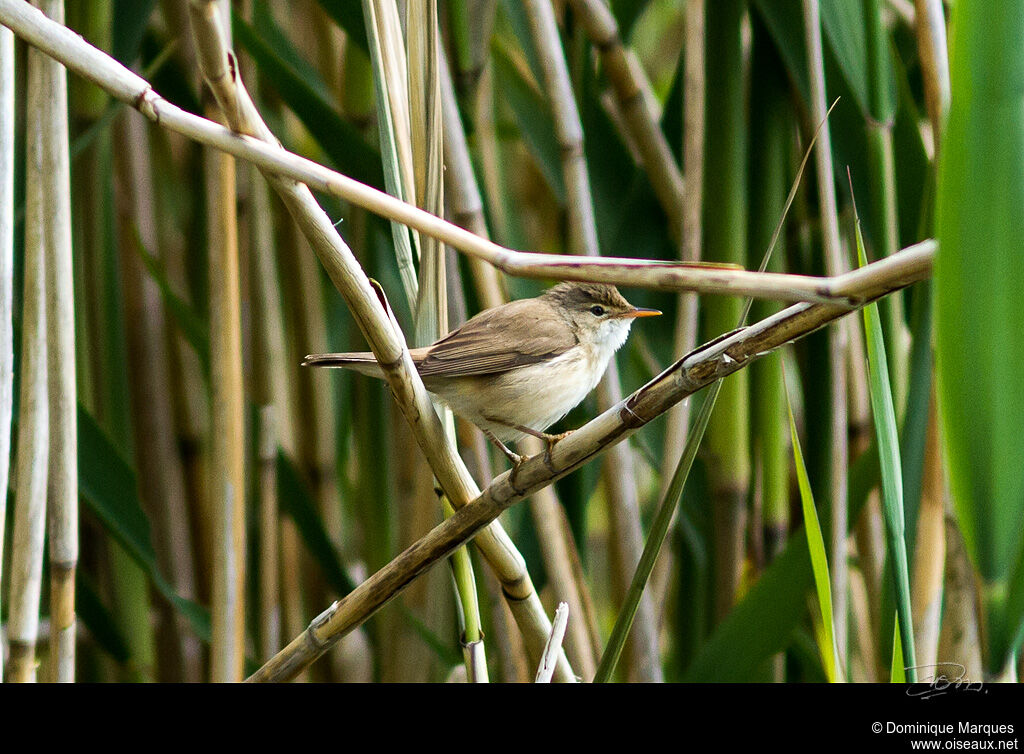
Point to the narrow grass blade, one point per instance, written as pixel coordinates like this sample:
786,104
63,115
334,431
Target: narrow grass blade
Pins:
889,457
899,668
816,548
659,529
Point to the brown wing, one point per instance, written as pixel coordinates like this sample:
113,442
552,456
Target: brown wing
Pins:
489,343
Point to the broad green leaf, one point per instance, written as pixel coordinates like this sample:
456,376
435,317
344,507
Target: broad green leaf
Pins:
130,18
192,326
107,485
842,24
348,14
94,614
295,500
979,310
532,117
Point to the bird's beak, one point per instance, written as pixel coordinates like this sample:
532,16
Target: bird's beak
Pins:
639,312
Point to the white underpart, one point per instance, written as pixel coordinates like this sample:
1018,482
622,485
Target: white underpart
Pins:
538,395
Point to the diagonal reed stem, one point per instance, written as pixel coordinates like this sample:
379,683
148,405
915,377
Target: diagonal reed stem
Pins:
702,367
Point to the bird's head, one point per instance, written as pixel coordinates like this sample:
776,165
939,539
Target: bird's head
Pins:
598,314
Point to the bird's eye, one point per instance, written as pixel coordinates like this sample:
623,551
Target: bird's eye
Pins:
597,310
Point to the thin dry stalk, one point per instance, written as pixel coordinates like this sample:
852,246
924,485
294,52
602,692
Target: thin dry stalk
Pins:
6,271
556,546
549,519
839,337
547,665
94,65
689,251
62,503
33,424
464,194
270,601
636,102
619,474
702,367
930,550
161,473
960,638
227,447
930,25
272,391
568,127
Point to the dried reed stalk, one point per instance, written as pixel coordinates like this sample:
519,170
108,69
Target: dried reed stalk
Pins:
464,194
636,102
160,471
930,25
33,424
550,523
619,475
839,339
227,451
6,272
94,65
702,367
689,251
930,551
62,498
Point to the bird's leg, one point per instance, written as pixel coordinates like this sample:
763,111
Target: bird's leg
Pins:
515,458
549,440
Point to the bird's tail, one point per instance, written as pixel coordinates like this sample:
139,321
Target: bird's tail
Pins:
363,362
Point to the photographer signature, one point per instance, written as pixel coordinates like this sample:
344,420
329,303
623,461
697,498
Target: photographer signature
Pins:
953,678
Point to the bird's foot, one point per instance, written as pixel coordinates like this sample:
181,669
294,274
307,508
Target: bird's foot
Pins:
549,442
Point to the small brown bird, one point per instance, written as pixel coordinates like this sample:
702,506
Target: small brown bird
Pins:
516,369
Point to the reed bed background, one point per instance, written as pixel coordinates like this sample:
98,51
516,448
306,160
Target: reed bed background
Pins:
830,492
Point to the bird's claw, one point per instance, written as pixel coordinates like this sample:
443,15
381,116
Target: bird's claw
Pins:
550,441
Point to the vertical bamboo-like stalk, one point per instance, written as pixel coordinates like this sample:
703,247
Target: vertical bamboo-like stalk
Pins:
281,593
635,99
227,440
839,335
550,522
725,240
618,471
960,639
464,193
161,474
691,239
882,168
6,272
270,600
771,135
426,107
62,502
931,46
33,421
930,552
272,393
